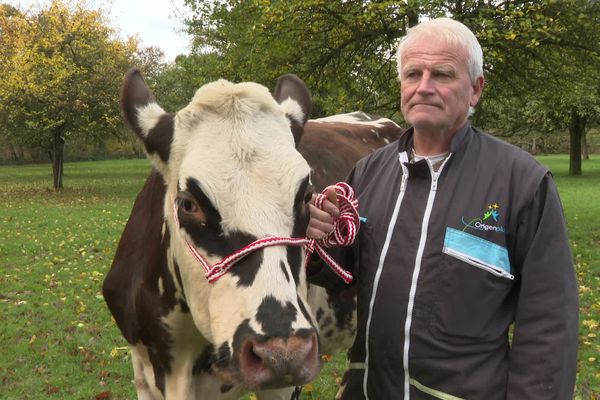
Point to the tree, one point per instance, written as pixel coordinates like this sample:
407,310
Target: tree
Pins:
177,82
555,68
345,50
61,68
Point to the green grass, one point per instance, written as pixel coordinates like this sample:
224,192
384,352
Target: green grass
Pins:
55,249
581,201
58,338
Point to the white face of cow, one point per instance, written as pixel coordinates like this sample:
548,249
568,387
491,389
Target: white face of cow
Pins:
234,176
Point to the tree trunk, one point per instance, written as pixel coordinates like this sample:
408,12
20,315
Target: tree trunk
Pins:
412,14
58,160
576,131
14,153
584,146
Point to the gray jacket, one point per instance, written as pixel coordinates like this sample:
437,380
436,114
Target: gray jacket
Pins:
446,263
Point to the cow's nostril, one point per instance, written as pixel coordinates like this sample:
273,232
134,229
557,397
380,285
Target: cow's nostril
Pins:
252,357
249,358
279,362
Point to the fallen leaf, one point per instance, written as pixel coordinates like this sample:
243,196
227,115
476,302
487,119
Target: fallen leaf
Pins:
103,395
52,389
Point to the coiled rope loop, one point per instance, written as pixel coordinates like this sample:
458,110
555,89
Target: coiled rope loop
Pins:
345,227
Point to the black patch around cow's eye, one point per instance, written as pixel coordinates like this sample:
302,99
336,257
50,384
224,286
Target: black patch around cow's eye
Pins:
303,196
210,237
188,210
204,226
294,254
308,194
202,200
304,192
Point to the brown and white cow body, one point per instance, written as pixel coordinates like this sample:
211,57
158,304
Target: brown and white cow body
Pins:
332,146
226,173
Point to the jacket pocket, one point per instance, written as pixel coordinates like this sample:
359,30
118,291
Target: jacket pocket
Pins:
477,252
473,284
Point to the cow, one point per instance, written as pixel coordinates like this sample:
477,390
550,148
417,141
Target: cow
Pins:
226,177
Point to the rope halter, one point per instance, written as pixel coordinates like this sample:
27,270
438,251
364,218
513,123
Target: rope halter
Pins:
345,229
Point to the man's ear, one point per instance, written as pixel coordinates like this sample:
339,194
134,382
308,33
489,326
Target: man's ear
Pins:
293,95
147,119
477,90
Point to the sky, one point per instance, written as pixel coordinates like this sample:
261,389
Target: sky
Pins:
156,22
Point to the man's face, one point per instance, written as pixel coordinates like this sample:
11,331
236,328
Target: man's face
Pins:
436,88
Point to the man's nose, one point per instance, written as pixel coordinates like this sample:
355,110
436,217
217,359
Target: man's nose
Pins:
426,84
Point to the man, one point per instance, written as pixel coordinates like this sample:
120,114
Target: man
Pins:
464,237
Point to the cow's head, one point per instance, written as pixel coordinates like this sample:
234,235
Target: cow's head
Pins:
233,176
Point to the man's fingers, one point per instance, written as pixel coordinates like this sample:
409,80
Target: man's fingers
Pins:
332,196
327,206
321,222
313,233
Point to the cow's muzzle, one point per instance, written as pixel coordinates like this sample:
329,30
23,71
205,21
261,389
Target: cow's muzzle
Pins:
279,362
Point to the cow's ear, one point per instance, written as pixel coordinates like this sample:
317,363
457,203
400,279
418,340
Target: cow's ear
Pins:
295,98
146,118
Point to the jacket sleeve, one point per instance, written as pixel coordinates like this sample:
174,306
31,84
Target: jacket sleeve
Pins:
543,356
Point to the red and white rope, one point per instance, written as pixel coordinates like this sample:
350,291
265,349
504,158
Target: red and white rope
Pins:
345,229
221,268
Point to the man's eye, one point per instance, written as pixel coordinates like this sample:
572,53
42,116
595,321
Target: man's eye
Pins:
444,75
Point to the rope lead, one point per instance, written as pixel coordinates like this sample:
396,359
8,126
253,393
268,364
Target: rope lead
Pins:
344,231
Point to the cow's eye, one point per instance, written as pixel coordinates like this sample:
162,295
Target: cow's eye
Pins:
188,206
308,195
190,209
186,203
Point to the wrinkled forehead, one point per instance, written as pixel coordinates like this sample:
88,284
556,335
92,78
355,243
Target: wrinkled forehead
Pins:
424,50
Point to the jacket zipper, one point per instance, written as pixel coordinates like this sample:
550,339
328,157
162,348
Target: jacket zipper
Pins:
478,264
417,269
403,158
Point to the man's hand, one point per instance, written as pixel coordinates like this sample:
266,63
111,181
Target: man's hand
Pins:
321,221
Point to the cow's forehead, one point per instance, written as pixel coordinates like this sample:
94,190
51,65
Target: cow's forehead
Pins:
256,199
242,155
240,123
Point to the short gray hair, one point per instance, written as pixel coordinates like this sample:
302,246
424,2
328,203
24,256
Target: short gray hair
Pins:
452,32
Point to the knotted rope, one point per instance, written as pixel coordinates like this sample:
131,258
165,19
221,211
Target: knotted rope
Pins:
345,229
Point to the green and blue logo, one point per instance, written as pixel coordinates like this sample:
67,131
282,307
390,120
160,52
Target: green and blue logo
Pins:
490,216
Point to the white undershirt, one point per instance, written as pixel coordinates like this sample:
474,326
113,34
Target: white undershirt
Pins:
435,160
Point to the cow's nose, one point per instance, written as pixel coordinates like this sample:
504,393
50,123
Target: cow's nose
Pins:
279,362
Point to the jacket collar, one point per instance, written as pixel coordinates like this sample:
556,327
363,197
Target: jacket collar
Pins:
405,143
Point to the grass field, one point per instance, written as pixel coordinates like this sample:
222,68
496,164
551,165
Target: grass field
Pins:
58,338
